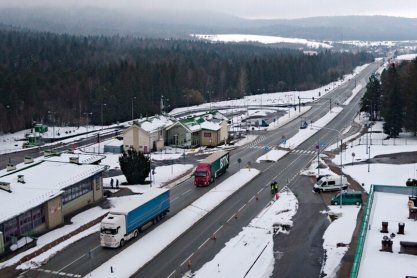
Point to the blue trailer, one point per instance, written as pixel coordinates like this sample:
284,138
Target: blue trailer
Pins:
126,221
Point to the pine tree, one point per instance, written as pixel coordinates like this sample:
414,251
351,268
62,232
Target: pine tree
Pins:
392,111
135,166
372,98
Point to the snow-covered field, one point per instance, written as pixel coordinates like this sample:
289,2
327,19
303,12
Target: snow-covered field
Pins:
260,39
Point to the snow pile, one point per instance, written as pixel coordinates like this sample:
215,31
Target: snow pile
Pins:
273,155
339,231
304,134
250,253
168,231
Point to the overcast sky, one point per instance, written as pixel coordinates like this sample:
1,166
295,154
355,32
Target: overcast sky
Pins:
250,8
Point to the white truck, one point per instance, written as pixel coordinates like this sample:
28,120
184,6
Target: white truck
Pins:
125,222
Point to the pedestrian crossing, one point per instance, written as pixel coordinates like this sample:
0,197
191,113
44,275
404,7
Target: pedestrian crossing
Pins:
306,152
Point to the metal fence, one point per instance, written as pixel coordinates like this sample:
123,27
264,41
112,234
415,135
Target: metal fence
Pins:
367,139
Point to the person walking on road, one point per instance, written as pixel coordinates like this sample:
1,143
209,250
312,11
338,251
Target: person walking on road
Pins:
275,187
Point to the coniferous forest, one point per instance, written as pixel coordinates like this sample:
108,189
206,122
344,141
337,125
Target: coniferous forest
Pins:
70,76
394,98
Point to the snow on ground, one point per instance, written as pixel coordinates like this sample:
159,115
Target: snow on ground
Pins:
272,99
77,221
163,174
355,91
406,57
169,230
306,133
248,138
339,231
291,116
260,39
272,155
250,253
392,208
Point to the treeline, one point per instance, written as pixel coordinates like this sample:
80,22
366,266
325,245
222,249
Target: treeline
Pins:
394,98
78,79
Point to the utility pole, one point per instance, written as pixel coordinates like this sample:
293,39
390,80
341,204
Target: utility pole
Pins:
133,98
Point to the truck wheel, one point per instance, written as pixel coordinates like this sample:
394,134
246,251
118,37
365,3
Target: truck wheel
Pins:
122,243
336,203
357,203
135,234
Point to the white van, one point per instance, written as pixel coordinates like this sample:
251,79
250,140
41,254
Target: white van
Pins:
330,183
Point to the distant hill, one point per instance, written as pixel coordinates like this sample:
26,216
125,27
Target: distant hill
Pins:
167,24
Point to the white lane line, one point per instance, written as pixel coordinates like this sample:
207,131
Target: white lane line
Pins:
59,270
218,229
241,208
251,199
186,192
202,244
172,273
231,217
186,260
174,199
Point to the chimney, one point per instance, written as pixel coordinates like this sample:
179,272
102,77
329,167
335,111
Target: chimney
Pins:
21,178
74,159
28,159
5,186
11,167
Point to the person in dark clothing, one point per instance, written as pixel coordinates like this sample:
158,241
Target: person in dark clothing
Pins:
272,187
111,182
275,187
117,183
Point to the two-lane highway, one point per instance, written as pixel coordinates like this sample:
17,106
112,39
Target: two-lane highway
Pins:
195,243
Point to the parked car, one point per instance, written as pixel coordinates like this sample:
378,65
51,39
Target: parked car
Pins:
347,198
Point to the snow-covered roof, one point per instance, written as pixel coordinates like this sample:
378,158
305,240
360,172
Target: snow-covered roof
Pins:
209,121
210,126
392,208
82,158
114,142
152,124
42,182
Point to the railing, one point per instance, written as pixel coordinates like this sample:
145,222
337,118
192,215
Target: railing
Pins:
362,235
365,220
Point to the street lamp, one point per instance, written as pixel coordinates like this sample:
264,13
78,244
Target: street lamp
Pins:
53,124
102,124
133,98
341,151
87,114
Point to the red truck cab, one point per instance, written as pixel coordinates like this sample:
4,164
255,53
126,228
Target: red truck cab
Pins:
202,174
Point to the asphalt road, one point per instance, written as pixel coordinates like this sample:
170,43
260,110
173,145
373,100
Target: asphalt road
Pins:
196,245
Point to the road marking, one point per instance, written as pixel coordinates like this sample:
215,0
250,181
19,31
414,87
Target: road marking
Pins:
242,207
186,260
59,270
250,200
218,229
172,273
174,199
199,247
186,192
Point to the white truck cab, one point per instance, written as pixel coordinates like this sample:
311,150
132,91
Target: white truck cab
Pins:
331,183
113,231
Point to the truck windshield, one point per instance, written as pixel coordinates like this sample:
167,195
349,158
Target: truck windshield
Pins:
320,182
200,173
108,231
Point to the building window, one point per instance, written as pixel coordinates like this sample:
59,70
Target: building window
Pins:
10,230
25,222
76,191
37,216
207,134
98,183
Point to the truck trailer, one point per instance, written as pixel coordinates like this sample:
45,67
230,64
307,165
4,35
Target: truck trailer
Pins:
126,221
210,168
